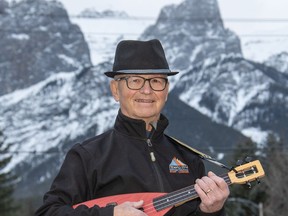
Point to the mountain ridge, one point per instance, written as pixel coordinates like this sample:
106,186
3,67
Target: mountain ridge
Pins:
43,29
220,94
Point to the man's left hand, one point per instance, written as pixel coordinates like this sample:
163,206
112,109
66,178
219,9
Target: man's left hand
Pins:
213,192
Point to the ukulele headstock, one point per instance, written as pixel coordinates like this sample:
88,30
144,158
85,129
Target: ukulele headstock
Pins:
246,173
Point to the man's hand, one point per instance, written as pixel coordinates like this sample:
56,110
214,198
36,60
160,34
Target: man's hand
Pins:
213,192
129,209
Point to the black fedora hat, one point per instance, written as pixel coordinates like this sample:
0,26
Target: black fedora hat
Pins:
140,57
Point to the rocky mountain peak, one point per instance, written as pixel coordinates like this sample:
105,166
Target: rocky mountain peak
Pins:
93,13
194,10
279,61
38,40
196,29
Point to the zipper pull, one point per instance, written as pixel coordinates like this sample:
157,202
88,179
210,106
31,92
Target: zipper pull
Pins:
149,143
151,152
152,156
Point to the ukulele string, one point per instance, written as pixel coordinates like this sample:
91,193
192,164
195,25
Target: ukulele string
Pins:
169,201
166,202
151,207
172,200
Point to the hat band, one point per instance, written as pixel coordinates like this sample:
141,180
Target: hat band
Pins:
141,71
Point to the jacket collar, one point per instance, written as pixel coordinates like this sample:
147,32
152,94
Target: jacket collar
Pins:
137,128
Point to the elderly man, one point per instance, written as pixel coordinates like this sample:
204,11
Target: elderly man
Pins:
135,156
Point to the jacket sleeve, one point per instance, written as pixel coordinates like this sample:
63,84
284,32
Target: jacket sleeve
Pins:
72,186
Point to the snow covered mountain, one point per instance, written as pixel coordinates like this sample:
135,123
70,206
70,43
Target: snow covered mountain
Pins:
216,79
221,95
42,120
93,13
33,31
278,61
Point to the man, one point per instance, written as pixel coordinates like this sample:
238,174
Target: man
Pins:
135,156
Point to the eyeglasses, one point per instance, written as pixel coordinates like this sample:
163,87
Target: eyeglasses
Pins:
137,82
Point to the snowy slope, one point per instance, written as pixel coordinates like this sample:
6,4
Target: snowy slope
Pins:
47,115
265,43
44,120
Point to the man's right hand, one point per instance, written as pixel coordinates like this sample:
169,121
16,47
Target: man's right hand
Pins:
129,209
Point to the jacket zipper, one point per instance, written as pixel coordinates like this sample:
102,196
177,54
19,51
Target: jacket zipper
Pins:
155,165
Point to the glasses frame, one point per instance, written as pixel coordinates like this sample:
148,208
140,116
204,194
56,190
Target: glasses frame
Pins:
149,81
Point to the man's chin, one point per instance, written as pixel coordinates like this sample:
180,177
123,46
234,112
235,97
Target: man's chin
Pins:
148,116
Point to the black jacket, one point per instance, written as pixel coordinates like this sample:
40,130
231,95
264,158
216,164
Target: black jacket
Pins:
119,161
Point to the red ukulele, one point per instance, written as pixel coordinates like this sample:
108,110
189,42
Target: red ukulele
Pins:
157,204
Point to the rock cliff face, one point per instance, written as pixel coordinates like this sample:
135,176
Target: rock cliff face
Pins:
279,62
193,31
37,40
215,79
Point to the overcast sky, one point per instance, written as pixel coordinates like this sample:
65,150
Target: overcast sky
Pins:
276,9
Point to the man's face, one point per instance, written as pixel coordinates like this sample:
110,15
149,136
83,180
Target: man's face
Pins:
145,103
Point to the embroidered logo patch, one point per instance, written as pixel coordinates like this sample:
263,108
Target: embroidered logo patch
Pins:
176,166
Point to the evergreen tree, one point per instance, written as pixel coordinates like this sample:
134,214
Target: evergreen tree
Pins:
276,179
6,182
244,200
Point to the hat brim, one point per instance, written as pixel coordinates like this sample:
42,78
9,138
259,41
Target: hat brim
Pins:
111,74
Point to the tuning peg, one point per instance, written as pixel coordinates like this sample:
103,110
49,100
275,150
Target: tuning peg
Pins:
239,162
258,180
248,159
249,185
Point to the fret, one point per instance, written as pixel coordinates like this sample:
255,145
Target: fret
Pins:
179,196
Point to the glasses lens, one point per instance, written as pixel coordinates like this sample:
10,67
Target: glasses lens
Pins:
137,82
158,84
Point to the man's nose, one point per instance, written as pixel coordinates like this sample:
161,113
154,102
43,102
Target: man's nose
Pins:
146,88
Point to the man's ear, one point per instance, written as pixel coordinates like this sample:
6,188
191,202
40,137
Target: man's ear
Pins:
114,89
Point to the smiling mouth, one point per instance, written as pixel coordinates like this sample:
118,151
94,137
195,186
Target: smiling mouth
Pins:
144,100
